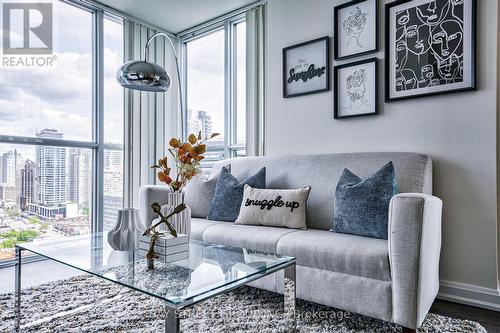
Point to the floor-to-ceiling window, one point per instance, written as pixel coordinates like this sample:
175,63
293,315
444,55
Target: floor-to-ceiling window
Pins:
61,131
113,122
215,64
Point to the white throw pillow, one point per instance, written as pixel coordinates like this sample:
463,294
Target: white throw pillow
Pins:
199,192
274,208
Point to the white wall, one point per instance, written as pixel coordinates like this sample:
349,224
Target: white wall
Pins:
457,130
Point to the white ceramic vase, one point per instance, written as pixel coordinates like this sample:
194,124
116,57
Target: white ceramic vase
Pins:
181,221
125,234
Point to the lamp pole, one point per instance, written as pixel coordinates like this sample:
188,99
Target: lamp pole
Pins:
177,68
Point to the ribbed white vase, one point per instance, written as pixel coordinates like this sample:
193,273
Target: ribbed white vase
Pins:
125,234
181,221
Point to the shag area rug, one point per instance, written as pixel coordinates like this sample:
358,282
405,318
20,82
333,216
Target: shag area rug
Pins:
87,304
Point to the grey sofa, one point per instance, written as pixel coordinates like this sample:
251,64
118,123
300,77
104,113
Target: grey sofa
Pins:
395,280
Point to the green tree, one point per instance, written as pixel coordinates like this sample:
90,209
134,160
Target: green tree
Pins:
27,235
85,211
10,234
11,238
34,220
9,243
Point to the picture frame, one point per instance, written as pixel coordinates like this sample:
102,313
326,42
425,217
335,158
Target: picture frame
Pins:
356,89
306,68
430,48
355,28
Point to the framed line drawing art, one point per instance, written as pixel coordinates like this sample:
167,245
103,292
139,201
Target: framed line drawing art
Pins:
430,47
306,68
355,28
356,89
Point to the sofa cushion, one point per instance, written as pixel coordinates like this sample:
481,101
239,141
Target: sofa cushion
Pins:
274,208
228,194
199,192
198,227
362,206
246,236
413,172
349,254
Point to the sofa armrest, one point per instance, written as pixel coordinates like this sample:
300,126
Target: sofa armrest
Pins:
147,195
414,249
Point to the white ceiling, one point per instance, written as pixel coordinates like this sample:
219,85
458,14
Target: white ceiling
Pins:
176,15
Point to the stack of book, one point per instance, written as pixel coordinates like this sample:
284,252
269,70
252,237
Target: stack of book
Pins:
168,248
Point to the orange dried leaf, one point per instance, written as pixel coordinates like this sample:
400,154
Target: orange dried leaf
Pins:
174,143
186,146
200,149
192,152
192,139
163,162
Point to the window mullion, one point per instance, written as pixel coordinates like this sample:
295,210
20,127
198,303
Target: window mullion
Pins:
228,98
233,91
98,114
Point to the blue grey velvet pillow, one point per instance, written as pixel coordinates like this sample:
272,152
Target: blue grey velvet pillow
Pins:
228,194
362,206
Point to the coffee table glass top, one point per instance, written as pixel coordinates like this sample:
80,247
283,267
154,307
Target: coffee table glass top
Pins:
209,270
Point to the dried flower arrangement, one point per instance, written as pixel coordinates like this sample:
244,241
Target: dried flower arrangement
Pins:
187,157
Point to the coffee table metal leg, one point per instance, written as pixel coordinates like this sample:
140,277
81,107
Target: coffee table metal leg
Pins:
289,293
172,322
18,289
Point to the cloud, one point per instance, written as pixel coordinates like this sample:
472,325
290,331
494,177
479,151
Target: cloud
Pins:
205,77
35,98
70,77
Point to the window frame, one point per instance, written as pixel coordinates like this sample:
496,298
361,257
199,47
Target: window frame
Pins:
97,143
231,146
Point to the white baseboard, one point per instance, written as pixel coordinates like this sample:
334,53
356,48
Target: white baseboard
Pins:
486,298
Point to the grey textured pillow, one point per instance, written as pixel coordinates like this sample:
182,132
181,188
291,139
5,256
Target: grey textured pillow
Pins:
362,206
228,194
274,208
199,192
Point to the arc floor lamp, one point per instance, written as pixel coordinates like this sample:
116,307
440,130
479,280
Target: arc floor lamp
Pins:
147,76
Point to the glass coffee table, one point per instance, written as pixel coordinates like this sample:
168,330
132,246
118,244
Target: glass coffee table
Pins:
209,271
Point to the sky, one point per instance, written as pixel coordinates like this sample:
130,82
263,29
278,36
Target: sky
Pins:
205,78
60,97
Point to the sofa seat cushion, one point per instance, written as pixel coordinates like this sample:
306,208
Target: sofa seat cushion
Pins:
343,253
245,236
198,227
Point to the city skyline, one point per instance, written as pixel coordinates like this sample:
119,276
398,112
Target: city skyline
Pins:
56,178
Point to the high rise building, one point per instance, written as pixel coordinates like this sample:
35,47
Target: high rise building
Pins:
51,185
28,185
72,178
113,181
200,121
7,194
84,178
111,205
113,172
113,159
11,167
12,163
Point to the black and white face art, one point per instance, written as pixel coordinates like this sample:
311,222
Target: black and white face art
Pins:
355,89
430,47
355,28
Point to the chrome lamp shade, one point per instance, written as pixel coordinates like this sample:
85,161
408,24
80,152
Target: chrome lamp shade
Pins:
144,76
